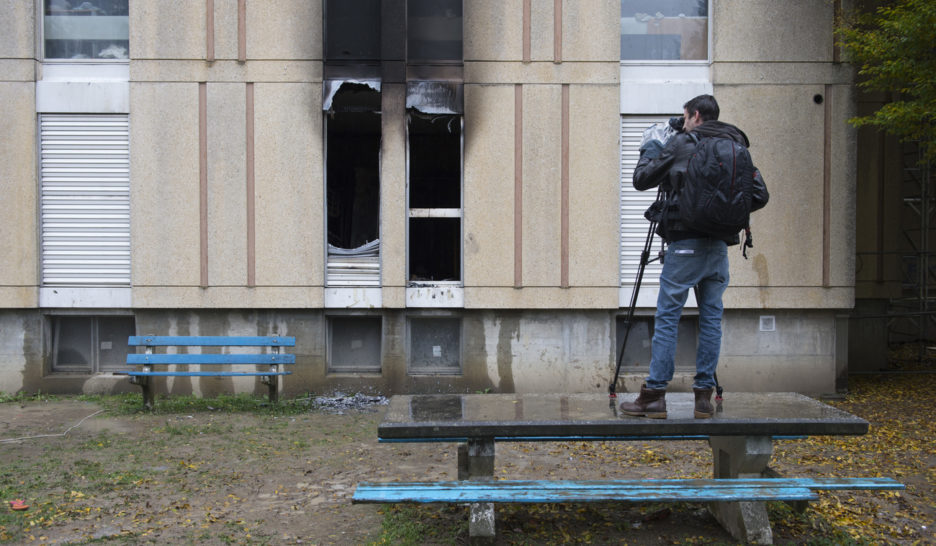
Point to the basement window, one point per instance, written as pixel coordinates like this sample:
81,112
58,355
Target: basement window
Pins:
435,196
638,351
90,344
352,171
434,345
354,344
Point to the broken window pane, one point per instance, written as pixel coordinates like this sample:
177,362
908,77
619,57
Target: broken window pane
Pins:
435,249
435,345
354,344
352,30
434,30
352,166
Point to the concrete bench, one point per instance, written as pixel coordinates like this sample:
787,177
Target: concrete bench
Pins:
266,365
741,436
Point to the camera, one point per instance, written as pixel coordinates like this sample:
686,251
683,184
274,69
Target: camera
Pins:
677,123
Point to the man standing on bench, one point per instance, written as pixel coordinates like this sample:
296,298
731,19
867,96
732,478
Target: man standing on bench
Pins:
694,258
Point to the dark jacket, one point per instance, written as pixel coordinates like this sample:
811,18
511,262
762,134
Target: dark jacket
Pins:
669,168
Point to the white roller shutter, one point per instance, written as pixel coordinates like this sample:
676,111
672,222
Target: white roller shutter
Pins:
634,226
85,200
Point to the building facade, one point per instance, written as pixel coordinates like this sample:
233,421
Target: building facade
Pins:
430,195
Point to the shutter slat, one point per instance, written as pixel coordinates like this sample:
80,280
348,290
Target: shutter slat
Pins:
633,204
85,200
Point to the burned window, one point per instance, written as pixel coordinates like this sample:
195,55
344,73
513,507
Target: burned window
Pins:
435,147
352,168
352,30
434,31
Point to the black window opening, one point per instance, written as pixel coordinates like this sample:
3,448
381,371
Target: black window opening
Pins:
83,344
434,31
352,30
435,196
353,166
637,353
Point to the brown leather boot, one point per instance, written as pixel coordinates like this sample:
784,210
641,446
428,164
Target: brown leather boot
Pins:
703,403
650,403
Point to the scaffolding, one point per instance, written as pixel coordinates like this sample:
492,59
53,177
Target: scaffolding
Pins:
911,317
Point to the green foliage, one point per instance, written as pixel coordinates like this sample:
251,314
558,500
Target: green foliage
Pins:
894,48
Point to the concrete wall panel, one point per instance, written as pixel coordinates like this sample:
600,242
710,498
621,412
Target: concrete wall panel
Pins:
393,212
594,171
786,132
19,187
284,29
493,30
289,185
766,30
168,29
164,185
18,21
227,184
489,185
542,182
591,30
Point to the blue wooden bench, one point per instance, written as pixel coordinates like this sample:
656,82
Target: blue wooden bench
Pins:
152,364
559,491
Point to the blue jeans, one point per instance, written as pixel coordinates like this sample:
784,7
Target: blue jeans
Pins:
689,263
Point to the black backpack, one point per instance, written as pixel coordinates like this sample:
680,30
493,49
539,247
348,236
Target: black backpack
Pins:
716,193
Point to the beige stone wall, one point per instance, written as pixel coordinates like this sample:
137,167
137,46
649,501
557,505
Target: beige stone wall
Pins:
170,59
581,53
18,174
767,73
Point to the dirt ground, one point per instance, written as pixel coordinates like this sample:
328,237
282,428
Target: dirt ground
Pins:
215,477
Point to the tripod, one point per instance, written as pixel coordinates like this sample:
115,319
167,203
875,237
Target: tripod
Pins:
641,267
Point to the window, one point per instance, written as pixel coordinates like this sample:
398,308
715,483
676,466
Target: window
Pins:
352,30
352,170
85,200
435,166
637,353
354,344
664,30
434,31
94,29
90,344
434,345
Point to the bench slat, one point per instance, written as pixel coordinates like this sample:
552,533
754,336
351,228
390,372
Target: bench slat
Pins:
215,359
539,492
787,489
200,374
212,341
567,438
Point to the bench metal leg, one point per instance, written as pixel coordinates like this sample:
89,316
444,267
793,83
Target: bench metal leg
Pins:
742,457
148,394
476,462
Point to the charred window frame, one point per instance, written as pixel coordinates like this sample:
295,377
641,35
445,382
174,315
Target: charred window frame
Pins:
352,182
434,173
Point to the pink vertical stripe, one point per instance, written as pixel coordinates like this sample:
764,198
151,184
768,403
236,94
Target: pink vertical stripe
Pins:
518,186
209,31
203,180
564,268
